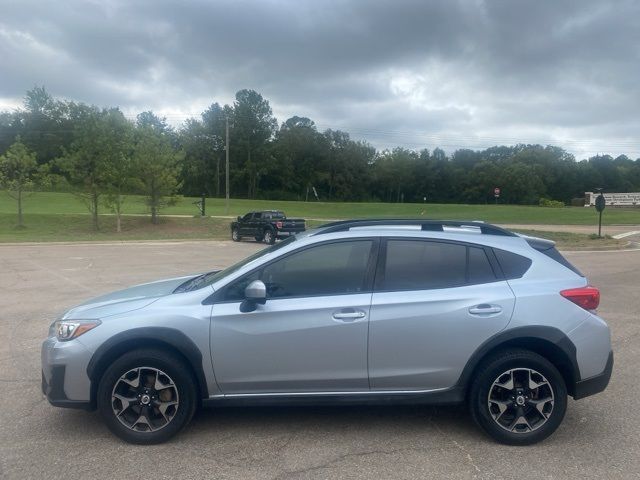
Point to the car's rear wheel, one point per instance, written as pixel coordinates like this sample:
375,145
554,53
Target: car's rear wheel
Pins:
518,397
258,238
269,236
235,235
147,396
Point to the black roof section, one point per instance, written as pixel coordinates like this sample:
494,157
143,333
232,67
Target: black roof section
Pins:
425,225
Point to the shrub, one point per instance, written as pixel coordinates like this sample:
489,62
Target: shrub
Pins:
546,202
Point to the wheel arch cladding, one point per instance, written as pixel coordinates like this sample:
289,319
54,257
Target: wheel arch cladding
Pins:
549,342
165,339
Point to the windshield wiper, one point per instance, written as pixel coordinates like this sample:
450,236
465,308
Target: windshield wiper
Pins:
195,283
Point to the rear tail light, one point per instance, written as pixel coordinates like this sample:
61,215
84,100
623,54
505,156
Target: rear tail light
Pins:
585,297
278,225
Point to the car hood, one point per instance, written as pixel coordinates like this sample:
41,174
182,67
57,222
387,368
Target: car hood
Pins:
127,300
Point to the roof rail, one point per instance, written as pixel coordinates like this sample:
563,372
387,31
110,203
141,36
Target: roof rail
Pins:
427,225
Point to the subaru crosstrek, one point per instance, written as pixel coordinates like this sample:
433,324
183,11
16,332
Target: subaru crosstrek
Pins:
437,312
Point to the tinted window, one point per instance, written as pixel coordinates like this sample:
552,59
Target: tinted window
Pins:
419,265
513,265
272,215
331,269
423,265
247,217
479,268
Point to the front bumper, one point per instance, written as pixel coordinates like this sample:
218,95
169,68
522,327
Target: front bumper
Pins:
64,379
595,384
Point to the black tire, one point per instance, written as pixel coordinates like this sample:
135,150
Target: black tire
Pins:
522,362
182,382
269,236
258,238
235,235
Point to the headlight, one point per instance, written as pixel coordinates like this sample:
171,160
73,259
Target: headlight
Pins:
70,329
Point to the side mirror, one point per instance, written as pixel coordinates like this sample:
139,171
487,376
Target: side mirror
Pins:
239,218
254,294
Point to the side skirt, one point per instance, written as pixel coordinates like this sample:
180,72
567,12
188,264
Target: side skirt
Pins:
448,396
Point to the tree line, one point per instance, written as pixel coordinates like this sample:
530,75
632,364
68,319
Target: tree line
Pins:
101,155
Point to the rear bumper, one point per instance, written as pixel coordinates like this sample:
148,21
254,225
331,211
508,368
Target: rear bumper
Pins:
281,234
595,384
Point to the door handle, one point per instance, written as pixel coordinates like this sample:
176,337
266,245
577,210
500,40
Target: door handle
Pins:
349,315
485,309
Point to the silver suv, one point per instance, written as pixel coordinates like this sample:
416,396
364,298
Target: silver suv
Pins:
437,312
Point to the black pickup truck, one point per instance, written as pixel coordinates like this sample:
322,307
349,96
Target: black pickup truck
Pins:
266,226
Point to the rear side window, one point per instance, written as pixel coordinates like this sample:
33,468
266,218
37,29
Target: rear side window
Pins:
425,265
479,268
513,265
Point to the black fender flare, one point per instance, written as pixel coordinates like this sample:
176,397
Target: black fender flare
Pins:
549,337
131,339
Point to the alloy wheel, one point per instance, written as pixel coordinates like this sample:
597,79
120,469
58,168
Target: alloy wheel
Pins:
145,399
521,400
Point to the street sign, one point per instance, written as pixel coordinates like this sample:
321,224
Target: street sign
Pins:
600,204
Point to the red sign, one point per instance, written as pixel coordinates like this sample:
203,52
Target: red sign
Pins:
496,191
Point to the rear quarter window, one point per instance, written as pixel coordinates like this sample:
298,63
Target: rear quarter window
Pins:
513,265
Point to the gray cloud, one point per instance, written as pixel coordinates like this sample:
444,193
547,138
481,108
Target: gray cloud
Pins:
412,73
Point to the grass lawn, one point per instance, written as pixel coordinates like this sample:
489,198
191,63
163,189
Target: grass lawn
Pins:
63,203
77,227
68,228
576,241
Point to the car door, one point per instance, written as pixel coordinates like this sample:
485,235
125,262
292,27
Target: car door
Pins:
434,304
245,225
255,225
310,335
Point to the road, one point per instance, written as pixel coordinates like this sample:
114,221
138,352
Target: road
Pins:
598,439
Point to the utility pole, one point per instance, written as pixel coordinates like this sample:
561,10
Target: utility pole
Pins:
226,175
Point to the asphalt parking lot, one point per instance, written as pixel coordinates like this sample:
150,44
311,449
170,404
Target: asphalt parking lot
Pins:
598,439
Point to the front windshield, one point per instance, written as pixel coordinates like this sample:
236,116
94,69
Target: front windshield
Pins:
210,278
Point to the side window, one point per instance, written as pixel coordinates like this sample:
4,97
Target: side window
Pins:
479,268
513,265
247,217
420,265
234,292
331,269
257,216
425,265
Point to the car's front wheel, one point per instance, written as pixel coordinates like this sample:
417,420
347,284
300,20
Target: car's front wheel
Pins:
147,396
518,397
235,235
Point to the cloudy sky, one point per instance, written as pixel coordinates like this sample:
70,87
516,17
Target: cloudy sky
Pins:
416,73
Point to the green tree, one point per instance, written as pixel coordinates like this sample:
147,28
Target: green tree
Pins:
120,168
18,173
253,126
45,126
158,166
97,149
